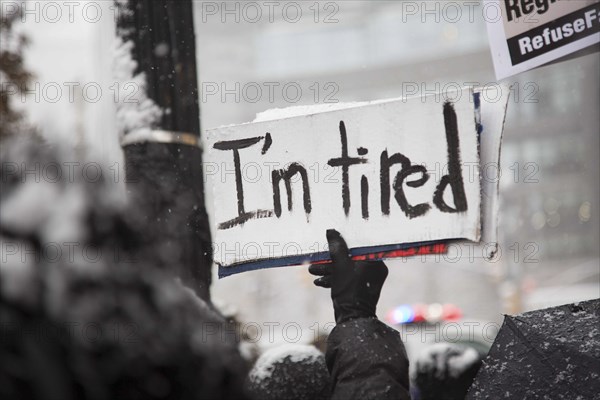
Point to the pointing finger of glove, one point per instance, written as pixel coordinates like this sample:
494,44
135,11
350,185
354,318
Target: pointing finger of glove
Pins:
320,269
337,247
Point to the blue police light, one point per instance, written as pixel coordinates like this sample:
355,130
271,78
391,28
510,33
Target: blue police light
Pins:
403,314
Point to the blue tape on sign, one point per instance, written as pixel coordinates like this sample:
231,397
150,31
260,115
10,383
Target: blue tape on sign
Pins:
314,257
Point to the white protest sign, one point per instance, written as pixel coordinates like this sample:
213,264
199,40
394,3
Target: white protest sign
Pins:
491,103
525,34
402,171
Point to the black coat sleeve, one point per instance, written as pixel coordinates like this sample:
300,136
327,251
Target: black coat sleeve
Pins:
367,360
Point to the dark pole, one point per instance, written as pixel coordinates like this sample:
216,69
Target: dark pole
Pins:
165,180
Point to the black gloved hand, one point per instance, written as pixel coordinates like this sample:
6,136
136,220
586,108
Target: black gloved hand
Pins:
355,285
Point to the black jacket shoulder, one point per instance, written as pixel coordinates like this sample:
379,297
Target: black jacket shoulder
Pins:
367,360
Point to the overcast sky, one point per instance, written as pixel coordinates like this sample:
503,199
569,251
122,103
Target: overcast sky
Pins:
70,51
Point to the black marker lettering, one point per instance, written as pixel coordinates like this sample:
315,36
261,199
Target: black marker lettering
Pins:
236,146
411,211
409,175
267,145
454,177
240,220
287,175
345,162
364,196
386,164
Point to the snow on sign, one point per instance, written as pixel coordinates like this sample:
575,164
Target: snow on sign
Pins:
525,34
390,173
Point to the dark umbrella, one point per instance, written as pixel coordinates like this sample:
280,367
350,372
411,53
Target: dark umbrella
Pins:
552,353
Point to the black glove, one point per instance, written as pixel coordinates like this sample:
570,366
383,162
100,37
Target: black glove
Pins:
355,285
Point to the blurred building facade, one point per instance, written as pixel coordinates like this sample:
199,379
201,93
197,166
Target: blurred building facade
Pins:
367,50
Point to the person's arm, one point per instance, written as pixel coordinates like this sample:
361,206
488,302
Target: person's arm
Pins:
365,357
366,360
